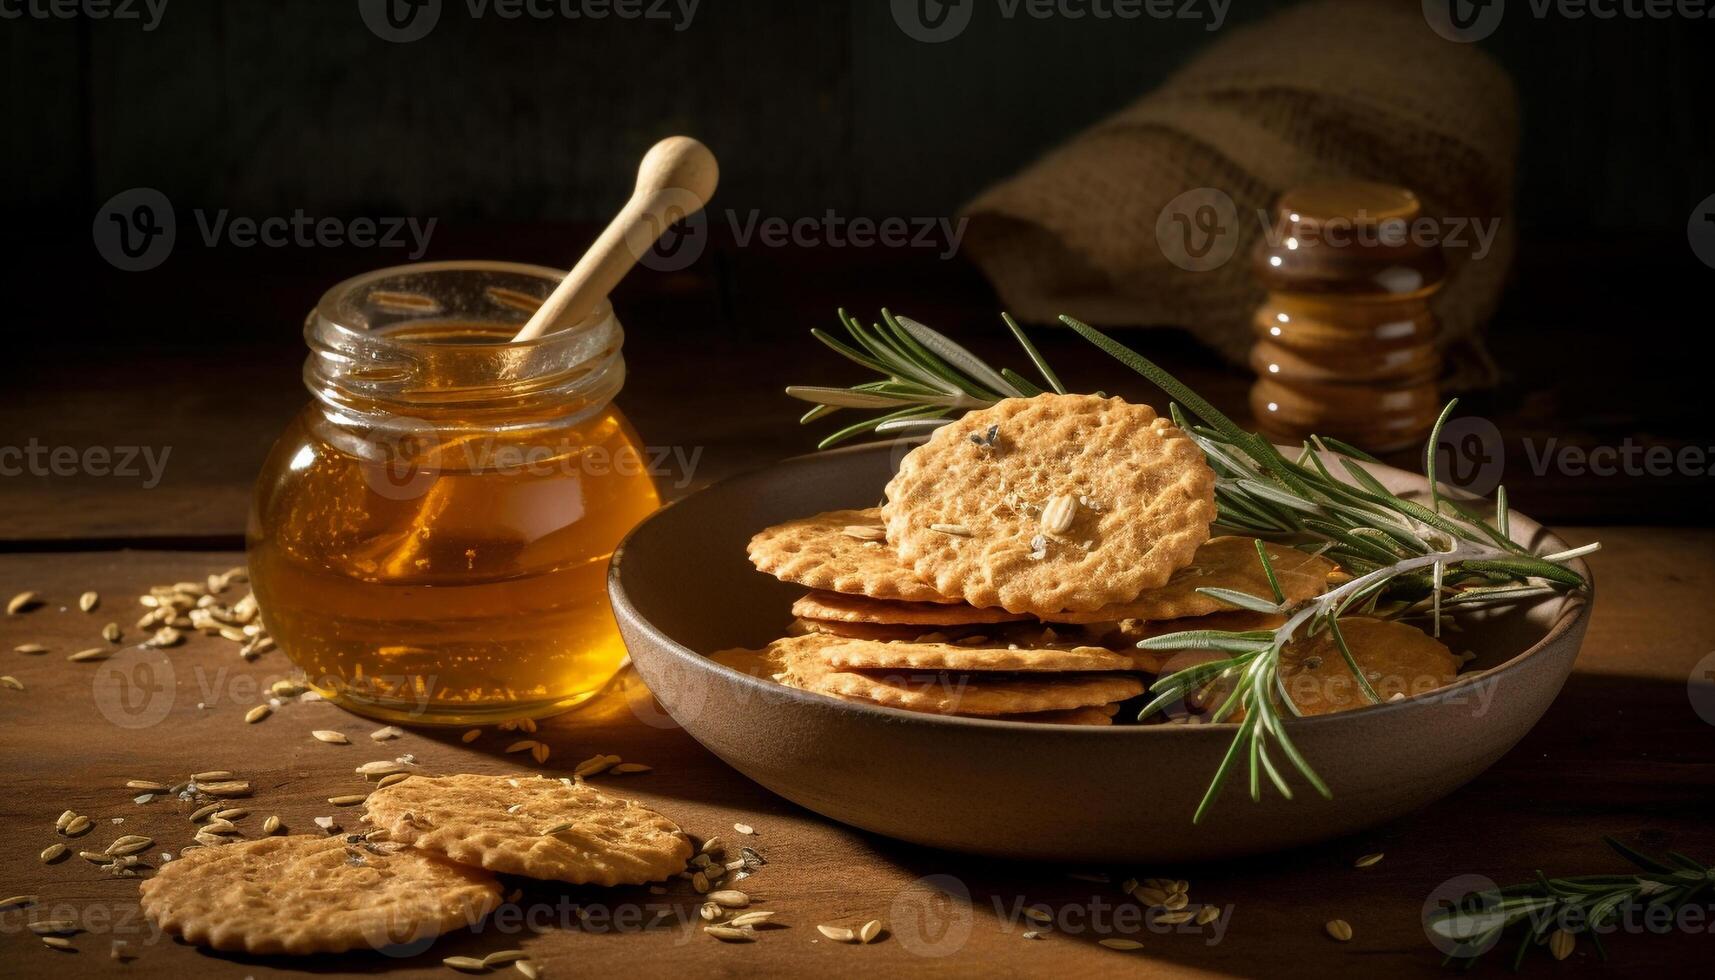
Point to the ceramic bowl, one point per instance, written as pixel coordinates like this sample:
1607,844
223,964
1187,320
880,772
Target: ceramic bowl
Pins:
682,587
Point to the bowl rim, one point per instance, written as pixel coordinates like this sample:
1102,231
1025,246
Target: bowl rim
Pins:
1577,606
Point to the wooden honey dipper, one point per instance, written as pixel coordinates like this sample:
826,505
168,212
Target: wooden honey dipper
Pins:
675,180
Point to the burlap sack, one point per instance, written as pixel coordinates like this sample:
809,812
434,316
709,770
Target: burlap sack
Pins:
1328,90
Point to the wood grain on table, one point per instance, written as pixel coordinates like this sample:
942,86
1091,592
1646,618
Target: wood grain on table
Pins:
1623,751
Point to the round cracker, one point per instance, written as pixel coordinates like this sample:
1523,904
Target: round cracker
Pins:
964,510
869,655
1396,658
862,609
314,894
974,695
1226,562
879,631
804,666
471,820
1130,632
817,553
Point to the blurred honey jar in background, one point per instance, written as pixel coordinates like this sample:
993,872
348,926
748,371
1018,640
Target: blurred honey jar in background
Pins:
1345,340
430,536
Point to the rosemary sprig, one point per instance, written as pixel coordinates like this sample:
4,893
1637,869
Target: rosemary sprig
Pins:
927,377
1398,551
1473,925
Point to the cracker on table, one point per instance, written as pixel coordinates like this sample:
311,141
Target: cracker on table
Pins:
502,823
820,552
863,609
1051,504
314,894
1227,562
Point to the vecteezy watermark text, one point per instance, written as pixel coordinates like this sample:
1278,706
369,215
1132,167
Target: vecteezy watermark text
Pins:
1466,21
404,21
34,458
832,230
136,230
1201,229
1472,456
146,12
934,21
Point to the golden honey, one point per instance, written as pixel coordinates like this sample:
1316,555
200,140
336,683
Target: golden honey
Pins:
430,537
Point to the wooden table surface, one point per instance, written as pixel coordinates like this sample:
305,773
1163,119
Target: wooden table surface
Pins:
1623,751
201,359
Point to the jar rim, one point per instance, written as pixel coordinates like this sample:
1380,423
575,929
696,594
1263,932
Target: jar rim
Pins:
326,313
366,360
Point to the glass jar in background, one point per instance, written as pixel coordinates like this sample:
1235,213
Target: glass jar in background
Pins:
429,538
1346,340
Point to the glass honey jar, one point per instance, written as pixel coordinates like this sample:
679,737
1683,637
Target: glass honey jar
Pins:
429,538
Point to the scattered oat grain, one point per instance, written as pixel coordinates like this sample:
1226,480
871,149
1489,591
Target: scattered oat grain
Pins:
729,899
1121,944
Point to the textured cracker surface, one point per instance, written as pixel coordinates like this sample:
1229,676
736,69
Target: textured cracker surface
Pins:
876,631
1153,492
1223,563
799,662
954,694
868,655
301,894
1395,658
1127,633
862,609
611,841
816,553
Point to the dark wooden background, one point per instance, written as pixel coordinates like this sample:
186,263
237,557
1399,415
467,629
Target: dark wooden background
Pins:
517,136
265,107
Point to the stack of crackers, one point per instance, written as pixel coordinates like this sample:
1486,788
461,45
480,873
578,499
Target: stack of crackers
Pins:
1020,555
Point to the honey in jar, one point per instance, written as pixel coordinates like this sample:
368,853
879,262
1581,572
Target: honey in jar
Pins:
430,536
